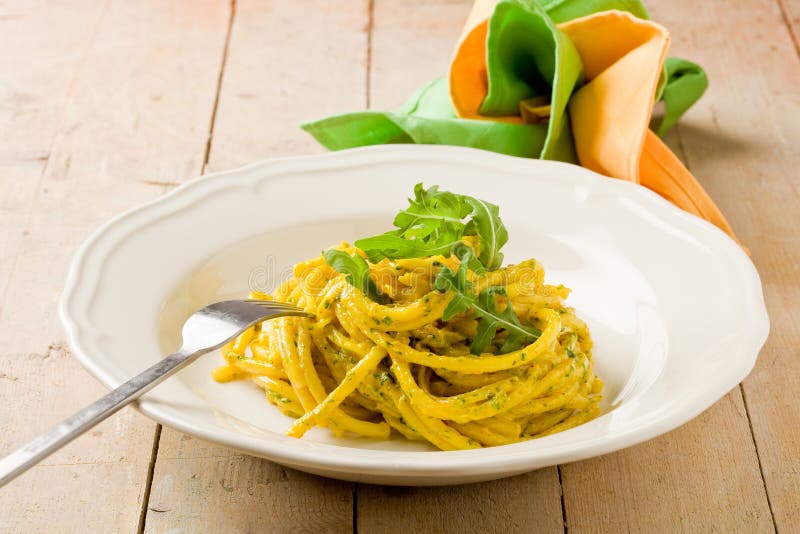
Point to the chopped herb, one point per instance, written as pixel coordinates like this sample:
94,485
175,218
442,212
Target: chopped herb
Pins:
384,377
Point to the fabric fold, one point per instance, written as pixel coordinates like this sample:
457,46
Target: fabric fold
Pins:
661,171
524,56
569,80
622,57
427,118
686,83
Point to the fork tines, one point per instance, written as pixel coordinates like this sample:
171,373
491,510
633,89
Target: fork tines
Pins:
275,305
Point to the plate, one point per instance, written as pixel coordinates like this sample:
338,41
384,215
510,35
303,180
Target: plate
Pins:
674,305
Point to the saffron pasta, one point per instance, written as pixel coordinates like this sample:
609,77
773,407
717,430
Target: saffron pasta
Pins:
373,368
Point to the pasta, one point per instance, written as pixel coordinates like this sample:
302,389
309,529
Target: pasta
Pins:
369,368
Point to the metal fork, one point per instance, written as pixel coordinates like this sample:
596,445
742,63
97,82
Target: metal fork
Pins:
205,330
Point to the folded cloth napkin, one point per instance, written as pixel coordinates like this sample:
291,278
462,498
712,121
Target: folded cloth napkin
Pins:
570,80
519,54
685,84
428,117
621,56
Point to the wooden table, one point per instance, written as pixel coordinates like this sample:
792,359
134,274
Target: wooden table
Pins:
104,105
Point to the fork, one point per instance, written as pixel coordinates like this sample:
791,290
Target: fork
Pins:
205,330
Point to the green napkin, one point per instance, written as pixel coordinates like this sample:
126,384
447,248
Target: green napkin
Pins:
527,56
686,83
564,10
427,118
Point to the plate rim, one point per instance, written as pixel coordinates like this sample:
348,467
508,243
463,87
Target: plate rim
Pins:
423,464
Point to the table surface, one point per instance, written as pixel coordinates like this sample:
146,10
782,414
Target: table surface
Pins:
105,105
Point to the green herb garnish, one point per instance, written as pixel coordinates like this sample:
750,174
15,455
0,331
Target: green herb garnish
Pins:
484,307
357,271
435,222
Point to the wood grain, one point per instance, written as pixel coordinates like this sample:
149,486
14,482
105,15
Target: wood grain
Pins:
201,487
411,44
94,97
702,477
790,10
743,142
287,62
525,503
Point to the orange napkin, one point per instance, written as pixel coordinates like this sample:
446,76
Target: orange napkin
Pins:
623,58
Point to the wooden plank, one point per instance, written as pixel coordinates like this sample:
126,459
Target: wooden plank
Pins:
93,99
411,44
702,477
525,503
743,143
705,476
790,10
287,62
201,487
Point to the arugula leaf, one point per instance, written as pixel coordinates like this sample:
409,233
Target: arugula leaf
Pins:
484,306
392,245
490,230
434,223
431,213
492,319
457,282
357,271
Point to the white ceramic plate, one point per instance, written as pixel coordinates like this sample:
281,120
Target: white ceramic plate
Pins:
675,306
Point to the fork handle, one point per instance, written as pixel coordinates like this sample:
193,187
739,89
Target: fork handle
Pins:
70,428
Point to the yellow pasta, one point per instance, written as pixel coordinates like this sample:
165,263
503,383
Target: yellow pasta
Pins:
367,368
